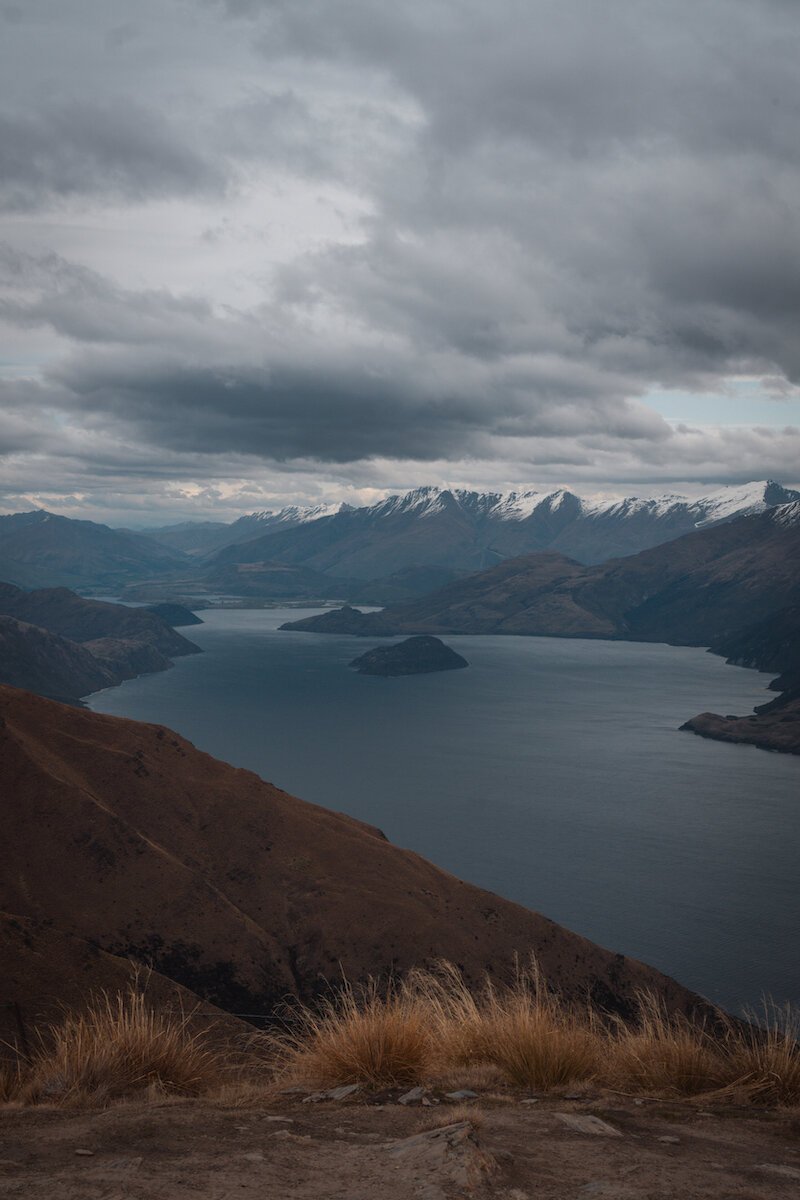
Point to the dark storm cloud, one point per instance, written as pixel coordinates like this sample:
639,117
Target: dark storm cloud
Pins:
541,212
642,161
112,147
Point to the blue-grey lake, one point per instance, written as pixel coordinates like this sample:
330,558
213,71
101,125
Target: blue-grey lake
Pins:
551,771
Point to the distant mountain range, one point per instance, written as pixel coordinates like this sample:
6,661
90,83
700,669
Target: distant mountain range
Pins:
202,537
40,549
688,591
733,586
390,551
470,531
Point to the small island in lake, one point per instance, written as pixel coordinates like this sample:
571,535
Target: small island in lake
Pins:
415,656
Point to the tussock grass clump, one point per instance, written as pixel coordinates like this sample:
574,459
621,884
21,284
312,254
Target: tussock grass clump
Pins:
534,1037
527,1032
118,1046
430,1028
665,1054
538,1044
362,1036
764,1058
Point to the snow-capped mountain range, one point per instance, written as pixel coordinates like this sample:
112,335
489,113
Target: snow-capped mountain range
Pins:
719,505
466,530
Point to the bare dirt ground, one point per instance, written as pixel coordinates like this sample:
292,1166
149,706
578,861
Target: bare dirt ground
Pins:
360,1149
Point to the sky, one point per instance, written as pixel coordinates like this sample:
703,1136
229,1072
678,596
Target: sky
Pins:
262,252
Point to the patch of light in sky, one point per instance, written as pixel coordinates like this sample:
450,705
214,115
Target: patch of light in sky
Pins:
745,401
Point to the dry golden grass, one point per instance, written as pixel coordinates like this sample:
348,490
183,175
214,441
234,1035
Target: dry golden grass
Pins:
119,1046
664,1055
764,1060
430,1029
535,1039
524,1030
365,1036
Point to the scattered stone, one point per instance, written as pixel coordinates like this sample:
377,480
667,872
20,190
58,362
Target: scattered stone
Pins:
670,1141
779,1169
530,1100
462,1094
413,1097
341,1093
451,1150
575,1096
85,1153
586,1123
429,1103
337,1093
288,1120
254,1156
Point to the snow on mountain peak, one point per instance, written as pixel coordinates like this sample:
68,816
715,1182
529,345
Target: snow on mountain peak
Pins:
519,505
734,500
787,514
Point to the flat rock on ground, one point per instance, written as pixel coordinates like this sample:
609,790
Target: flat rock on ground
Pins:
356,1151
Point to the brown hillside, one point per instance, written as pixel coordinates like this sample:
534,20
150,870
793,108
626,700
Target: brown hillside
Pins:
687,592
46,971
125,835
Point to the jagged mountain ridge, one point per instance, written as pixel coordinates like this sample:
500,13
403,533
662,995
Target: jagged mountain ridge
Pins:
471,531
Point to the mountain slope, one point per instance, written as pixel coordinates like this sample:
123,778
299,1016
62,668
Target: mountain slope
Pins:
203,537
61,645
48,664
48,971
471,531
688,591
63,612
770,644
40,549
125,835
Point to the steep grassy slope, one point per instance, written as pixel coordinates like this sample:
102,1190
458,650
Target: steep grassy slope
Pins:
125,835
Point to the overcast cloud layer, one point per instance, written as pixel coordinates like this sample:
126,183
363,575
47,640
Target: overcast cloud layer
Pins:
271,251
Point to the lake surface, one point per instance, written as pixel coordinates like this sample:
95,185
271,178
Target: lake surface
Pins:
551,771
